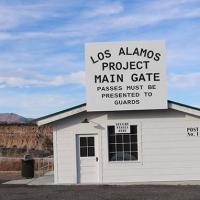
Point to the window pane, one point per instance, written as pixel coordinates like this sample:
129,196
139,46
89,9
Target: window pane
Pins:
133,129
83,141
83,151
111,139
126,138
112,156
91,141
119,147
111,130
127,155
120,155
133,138
126,147
91,151
118,138
134,155
134,147
112,148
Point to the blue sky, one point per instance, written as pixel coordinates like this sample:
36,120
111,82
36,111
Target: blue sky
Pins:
42,47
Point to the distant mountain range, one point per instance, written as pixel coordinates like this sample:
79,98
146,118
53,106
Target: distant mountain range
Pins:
10,118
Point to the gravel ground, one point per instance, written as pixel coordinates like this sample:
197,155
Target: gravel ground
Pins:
23,192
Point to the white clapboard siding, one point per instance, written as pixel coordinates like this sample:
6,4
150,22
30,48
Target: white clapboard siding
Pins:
166,152
165,124
65,157
65,148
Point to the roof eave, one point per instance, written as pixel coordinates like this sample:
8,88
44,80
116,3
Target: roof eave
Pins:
60,115
82,107
184,108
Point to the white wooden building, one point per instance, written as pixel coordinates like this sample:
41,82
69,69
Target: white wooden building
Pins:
160,145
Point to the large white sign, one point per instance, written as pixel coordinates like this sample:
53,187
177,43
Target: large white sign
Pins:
126,75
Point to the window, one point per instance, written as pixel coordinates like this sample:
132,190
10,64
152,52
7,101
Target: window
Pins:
87,147
122,146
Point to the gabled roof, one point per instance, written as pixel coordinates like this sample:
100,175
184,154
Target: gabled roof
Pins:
61,114
82,107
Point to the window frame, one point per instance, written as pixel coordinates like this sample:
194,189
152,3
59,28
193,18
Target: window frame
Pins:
139,144
87,146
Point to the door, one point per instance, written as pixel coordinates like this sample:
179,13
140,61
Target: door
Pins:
87,162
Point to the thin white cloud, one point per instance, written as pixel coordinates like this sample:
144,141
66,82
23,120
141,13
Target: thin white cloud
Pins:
104,10
77,77
27,63
136,17
151,13
38,80
7,36
184,80
14,14
154,16
159,4
36,104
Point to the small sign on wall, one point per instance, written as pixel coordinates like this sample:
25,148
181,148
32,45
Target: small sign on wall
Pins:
122,127
193,131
